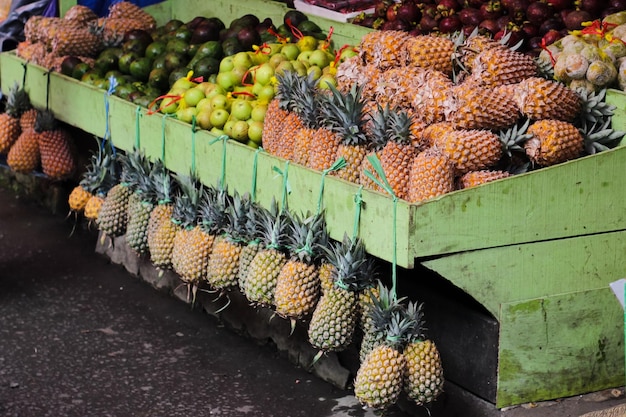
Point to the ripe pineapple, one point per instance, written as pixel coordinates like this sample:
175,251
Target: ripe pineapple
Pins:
190,250
112,30
470,149
113,215
251,242
498,66
553,142
94,175
354,144
384,48
308,105
278,111
538,98
17,103
335,316
260,282
474,107
76,39
24,155
432,174
297,284
129,10
379,380
141,202
55,147
423,372
41,29
475,178
472,46
213,214
431,52
429,96
377,131
435,130
80,14
224,263
161,230
398,153
110,176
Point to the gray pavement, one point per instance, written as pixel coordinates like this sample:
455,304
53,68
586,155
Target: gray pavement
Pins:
79,336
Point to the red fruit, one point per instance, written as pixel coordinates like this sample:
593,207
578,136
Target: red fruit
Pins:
448,7
530,30
380,9
473,3
450,24
392,12
504,22
470,16
490,10
538,12
551,36
396,24
489,25
560,4
592,6
515,37
534,43
551,24
409,12
618,4
574,19
515,6
427,23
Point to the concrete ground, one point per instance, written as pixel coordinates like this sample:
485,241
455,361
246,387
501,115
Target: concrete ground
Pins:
80,336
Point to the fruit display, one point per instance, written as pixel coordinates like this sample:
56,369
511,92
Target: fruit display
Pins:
530,22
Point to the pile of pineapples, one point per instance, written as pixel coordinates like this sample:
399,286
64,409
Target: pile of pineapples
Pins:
439,113
80,33
277,259
32,139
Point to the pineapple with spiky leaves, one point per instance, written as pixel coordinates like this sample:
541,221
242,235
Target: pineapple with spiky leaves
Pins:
76,39
334,118
398,153
379,380
423,372
104,179
214,219
80,14
297,285
141,202
252,243
189,250
479,177
308,99
377,130
17,103
95,174
335,317
553,142
470,149
432,174
539,98
279,116
55,147
224,263
431,52
24,155
260,283
113,215
384,48
161,229
498,66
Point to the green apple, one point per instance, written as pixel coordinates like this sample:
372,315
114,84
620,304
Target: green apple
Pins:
226,64
183,83
325,80
241,109
277,59
347,53
228,80
220,101
228,126
290,50
259,57
284,66
299,67
185,114
168,105
239,131
266,93
204,104
213,89
304,57
242,59
316,71
320,58
216,131
264,73
243,74
203,119
258,111
193,96
307,43
218,118
255,131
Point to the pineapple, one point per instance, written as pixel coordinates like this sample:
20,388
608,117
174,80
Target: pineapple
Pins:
385,49
112,30
323,147
553,142
335,316
129,10
470,149
39,29
80,14
297,284
110,176
497,66
141,202
538,98
429,96
379,380
251,241
431,52
24,155
17,103
55,147
260,282
214,218
224,263
190,250
474,107
435,130
113,215
278,110
161,230
93,177
308,104
377,131
423,372
396,156
473,45
76,39
483,176
432,174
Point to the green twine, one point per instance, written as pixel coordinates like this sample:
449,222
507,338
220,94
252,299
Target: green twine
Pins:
339,164
165,116
383,183
137,128
224,139
107,112
48,89
24,64
255,164
193,145
286,187
358,204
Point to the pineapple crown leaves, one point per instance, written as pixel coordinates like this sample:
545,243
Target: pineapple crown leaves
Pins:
353,268
18,101
385,306
45,121
136,170
380,123
399,126
513,138
599,136
163,182
285,90
187,200
308,235
397,330
273,226
594,107
213,206
238,218
98,168
343,113
415,313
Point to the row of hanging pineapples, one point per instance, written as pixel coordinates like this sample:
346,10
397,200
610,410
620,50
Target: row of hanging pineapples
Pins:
277,259
32,139
440,113
80,33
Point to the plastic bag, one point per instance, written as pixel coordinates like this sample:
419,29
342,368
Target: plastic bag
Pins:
12,28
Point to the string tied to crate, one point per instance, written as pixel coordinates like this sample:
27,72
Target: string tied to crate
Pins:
137,127
286,187
193,145
165,116
382,182
223,139
336,166
107,112
358,205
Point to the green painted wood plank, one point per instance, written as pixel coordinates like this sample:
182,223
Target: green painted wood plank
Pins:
618,99
519,272
560,345
579,197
